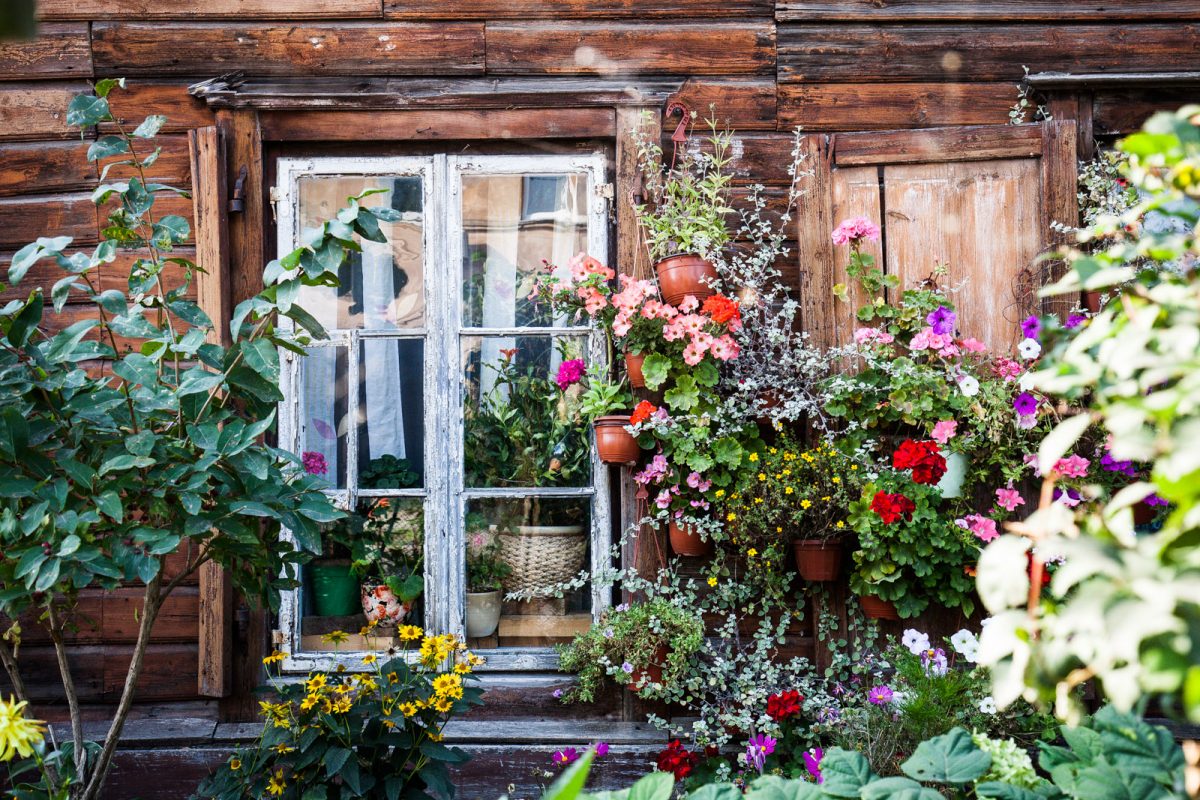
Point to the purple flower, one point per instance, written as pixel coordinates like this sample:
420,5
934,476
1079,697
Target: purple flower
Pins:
1074,320
880,695
942,320
757,750
627,668
1110,464
934,662
601,749
608,633
812,761
1031,327
569,373
557,694
1154,500
314,463
1026,421
1025,404
565,756
838,689
1070,498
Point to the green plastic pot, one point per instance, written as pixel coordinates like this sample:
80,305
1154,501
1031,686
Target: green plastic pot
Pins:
335,590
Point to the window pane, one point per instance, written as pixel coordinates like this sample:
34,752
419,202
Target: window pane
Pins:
511,223
379,578
520,428
383,286
528,545
323,414
391,411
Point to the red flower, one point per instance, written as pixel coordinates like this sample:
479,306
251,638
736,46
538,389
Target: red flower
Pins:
642,412
783,705
923,458
721,309
677,760
891,507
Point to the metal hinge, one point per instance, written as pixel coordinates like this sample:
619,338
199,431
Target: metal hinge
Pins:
276,196
277,637
605,190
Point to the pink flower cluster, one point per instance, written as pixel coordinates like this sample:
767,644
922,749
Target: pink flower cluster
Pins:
944,430
983,527
942,343
695,328
1009,498
1008,369
314,462
854,230
638,297
569,373
871,335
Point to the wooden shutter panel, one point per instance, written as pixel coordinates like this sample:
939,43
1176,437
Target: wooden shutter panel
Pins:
215,673
980,199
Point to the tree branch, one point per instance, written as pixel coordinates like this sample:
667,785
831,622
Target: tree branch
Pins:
64,669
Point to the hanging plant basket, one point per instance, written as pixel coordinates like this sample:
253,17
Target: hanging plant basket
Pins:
686,541
614,444
818,560
652,672
877,608
685,274
633,368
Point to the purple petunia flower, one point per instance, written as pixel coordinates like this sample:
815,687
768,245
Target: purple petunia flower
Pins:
1025,404
627,668
942,320
569,373
1031,327
1110,464
565,756
812,762
1154,500
557,694
880,695
757,750
1074,321
601,749
934,661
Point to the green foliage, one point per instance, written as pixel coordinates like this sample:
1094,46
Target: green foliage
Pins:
386,539
388,472
486,568
602,396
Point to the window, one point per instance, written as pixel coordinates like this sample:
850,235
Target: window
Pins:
433,406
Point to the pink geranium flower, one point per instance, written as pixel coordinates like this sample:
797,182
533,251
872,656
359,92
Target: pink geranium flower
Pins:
724,348
983,527
855,229
866,335
944,431
569,373
692,355
973,346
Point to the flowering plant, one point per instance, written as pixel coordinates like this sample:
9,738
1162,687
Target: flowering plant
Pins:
387,543
375,733
486,567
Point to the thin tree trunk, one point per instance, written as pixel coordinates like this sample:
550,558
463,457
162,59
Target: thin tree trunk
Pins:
9,659
68,681
151,604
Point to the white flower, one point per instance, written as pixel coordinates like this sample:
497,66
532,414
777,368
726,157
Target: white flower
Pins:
1029,348
968,385
915,641
1026,382
987,705
964,640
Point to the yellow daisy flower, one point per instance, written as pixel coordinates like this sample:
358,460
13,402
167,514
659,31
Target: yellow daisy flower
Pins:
277,785
275,657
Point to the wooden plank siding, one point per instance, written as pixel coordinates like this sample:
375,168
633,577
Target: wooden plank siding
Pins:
579,9
983,10
60,50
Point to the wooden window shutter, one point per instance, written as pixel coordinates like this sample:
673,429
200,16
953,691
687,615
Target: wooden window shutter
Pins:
215,673
979,199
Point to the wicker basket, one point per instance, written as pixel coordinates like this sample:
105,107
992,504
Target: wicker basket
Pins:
542,555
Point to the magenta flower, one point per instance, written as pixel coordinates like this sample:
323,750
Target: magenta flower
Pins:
855,229
601,749
314,463
1154,500
1110,464
1074,321
942,320
1072,467
757,750
1009,498
569,373
934,662
880,695
565,756
1031,327
812,762
1025,404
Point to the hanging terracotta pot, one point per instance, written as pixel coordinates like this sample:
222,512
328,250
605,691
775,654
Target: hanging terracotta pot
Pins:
876,608
686,541
633,368
614,444
652,672
684,274
1092,300
818,560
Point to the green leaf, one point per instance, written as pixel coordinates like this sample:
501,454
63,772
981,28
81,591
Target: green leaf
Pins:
949,758
69,546
109,504
190,313
197,380
1002,581
654,786
106,147
112,301
106,85
570,784
86,110
684,395
120,462
845,772
994,790
335,757
898,788
655,370
48,575
262,357
150,126
773,787
26,321
727,791
171,230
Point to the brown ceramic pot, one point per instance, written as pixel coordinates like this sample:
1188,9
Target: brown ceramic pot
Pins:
1092,300
686,541
684,274
633,368
614,444
875,608
652,672
818,560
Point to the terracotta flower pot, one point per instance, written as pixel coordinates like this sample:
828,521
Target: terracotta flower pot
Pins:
684,274
633,368
1092,300
818,559
876,608
686,541
614,444
652,672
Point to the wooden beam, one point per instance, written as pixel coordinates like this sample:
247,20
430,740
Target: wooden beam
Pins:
32,111
814,223
745,103
578,9
1070,80
332,126
969,143
644,48
60,50
888,106
983,10
1059,201
1121,111
208,9
141,98
247,236
341,48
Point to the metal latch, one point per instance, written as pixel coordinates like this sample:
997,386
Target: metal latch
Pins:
605,191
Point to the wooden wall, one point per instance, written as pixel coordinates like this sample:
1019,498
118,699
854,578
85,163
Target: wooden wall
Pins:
767,65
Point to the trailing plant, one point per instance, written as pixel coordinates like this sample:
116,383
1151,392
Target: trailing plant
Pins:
372,734
128,437
387,543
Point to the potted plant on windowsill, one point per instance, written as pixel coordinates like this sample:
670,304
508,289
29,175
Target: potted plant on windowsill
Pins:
486,572
645,647
389,558
682,221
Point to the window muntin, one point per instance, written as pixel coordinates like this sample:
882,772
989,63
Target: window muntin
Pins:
423,331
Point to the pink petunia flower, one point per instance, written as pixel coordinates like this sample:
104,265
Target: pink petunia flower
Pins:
944,431
1009,498
1074,466
689,304
973,346
570,372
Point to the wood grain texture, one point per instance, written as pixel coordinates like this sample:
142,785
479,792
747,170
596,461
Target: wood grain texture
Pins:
814,253
206,9
1059,181
611,49
867,106
318,126
888,54
967,143
172,166
747,104
99,671
23,219
60,50
1116,112
110,616
114,275
44,167
578,9
32,111
983,10
344,48
141,98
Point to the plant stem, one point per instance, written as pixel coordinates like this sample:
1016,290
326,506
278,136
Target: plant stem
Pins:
9,660
68,681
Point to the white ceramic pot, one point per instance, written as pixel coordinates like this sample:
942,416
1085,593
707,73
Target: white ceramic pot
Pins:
951,483
381,606
483,613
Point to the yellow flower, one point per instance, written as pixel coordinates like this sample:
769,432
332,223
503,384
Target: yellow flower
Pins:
787,472
778,529
730,517
762,476
277,785
443,684
826,499
370,658
754,456
712,581
283,748
840,524
719,493
18,735
335,637
788,490
366,683
235,763
443,705
752,552
836,479
476,661
309,702
806,504
435,737
407,709
409,633
342,705
462,668
316,683
757,500
774,450
275,657
853,467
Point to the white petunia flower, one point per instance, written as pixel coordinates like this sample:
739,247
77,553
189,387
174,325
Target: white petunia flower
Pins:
964,638
915,641
987,705
1029,349
968,386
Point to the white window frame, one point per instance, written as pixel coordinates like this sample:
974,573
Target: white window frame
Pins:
444,496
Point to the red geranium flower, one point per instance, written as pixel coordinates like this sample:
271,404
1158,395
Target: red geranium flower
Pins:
677,760
721,309
925,460
891,507
783,705
642,412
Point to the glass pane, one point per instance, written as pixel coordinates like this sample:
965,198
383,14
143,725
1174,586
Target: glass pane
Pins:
511,224
391,413
532,546
377,577
520,428
382,287
323,414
